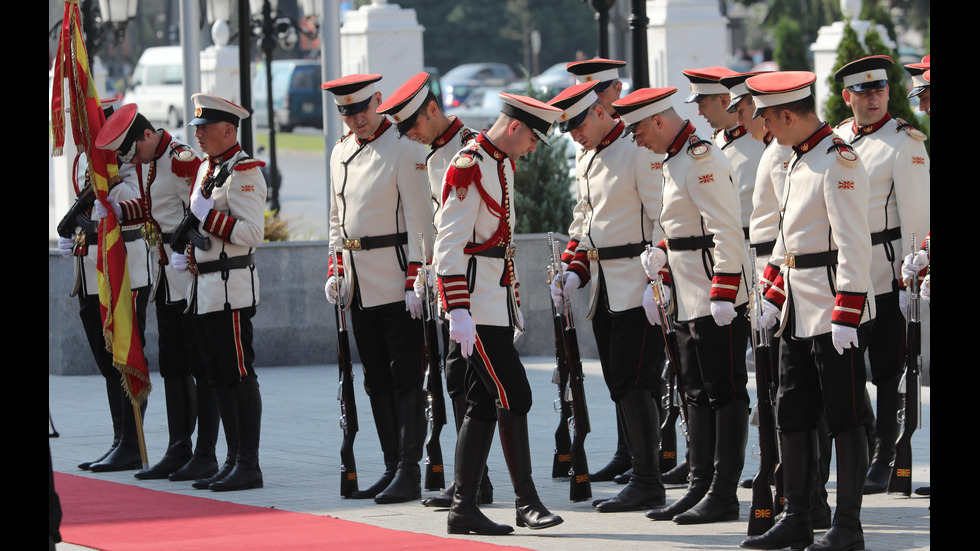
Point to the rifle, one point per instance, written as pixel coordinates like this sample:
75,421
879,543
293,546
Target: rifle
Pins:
581,488
435,413
345,394
668,430
563,442
187,231
85,199
762,517
910,412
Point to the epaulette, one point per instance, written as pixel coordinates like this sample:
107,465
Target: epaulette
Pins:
845,123
465,170
248,163
910,130
467,158
183,161
698,148
845,153
345,136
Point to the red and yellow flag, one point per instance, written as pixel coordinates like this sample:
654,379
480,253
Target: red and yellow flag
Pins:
117,305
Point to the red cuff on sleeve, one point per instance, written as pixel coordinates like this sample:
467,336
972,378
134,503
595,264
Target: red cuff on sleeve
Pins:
580,266
219,224
848,308
410,274
569,253
454,292
776,293
724,287
335,265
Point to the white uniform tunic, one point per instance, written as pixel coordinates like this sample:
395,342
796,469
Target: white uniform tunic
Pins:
895,157
477,216
236,226
700,200
621,188
825,206
378,188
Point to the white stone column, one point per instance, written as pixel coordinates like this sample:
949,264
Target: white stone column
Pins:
684,34
824,48
381,38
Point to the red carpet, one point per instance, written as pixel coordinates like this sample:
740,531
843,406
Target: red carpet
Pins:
112,516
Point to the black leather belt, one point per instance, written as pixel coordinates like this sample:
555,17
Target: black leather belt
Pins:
690,243
497,251
375,241
885,236
92,238
619,251
811,260
745,231
225,264
763,248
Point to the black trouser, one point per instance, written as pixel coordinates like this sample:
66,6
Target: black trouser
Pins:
713,360
390,345
886,339
225,345
495,377
630,350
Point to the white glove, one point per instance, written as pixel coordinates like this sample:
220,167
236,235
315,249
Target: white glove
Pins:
723,312
462,329
199,205
413,304
653,261
924,288
770,314
571,282
66,246
843,337
913,264
102,210
650,307
335,287
179,262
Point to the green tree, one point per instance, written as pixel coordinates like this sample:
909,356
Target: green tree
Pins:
849,49
542,186
791,52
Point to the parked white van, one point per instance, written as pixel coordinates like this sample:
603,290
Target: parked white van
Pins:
157,85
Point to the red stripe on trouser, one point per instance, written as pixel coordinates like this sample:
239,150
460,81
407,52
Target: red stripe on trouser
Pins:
239,350
501,393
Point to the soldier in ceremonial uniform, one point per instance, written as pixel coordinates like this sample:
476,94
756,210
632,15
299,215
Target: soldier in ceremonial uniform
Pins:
168,167
124,453
621,201
419,116
702,257
821,274
223,291
713,99
478,288
605,72
763,229
921,84
894,154
380,203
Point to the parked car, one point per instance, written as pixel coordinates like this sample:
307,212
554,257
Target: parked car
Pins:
481,108
157,85
553,80
459,81
297,99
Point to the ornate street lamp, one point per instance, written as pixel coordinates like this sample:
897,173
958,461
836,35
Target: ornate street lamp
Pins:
602,8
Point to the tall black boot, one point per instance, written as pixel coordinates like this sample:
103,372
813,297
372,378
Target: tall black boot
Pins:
181,417
620,462
644,490
204,463
820,512
700,459
246,473
407,483
731,436
126,456
473,443
445,498
846,533
885,437
515,444
228,413
793,529
386,423
114,392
